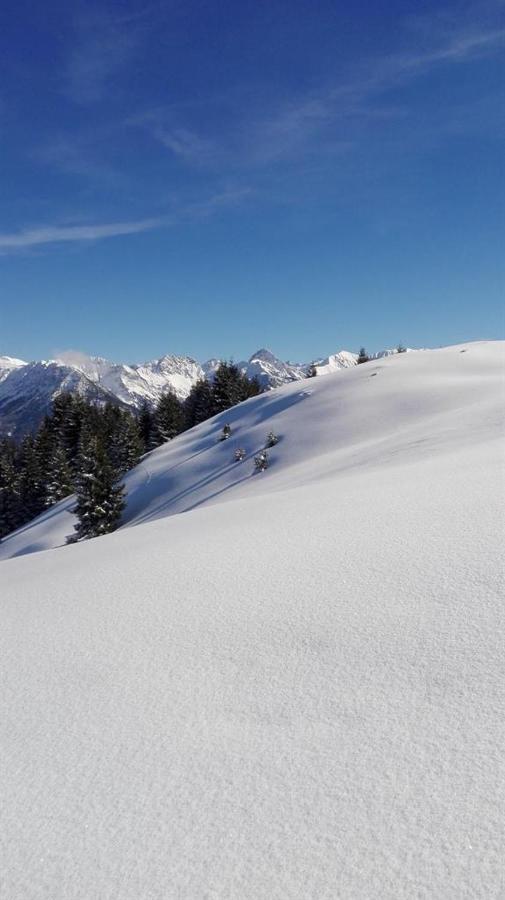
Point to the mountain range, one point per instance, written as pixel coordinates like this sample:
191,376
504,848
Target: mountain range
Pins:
27,389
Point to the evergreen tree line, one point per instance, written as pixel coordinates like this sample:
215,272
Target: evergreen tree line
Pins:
86,449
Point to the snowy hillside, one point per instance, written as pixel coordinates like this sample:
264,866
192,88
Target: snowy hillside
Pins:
292,691
326,425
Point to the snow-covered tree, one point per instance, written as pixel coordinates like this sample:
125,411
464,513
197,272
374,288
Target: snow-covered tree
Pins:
59,481
100,496
261,461
363,356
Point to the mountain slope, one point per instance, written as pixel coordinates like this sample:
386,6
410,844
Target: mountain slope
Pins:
8,364
28,391
296,693
354,418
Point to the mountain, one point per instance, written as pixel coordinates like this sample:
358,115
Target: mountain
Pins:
8,364
294,688
270,371
342,360
27,393
28,389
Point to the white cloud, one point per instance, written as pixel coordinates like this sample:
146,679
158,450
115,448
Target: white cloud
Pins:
52,234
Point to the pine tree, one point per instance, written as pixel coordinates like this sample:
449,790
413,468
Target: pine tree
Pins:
227,387
31,484
11,516
363,356
312,371
169,417
59,481
231,386
198,407
147,427
261,461
100,497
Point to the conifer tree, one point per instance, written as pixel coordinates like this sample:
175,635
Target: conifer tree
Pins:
100,497
59,481
31,484
363,356
11,516
169,417
146,427
198,407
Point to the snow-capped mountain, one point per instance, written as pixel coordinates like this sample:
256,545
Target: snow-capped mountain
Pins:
27,393
270,371
342,360
9,364
28,389
136,384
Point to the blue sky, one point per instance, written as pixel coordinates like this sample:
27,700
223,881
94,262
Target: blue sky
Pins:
211,178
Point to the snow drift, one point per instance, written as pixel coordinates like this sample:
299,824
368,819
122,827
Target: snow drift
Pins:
294,693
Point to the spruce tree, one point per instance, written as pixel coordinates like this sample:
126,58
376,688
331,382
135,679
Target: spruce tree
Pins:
100,497
228,387
363,356
198,406
31,483
169,417
59,481
11,516
147,427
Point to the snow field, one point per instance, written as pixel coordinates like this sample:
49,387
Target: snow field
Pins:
296,693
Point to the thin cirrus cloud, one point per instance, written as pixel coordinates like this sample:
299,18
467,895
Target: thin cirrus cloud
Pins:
103,46
55,234
291,129
52,234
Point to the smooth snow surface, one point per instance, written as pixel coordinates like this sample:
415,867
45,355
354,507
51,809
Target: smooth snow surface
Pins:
297,693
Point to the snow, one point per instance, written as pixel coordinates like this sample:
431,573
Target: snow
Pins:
8,364
296,693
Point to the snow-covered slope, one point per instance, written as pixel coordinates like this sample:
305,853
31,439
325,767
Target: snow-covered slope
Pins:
295,693
353,418
342,360
8,364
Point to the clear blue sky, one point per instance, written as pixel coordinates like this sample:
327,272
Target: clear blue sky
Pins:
210,178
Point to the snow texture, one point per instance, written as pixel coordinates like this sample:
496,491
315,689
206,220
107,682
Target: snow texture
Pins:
296,693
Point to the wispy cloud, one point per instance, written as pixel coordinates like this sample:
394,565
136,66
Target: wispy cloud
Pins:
52,234
179,215
104,44
77,155
292,128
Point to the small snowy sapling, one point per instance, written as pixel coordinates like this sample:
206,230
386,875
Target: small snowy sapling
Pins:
272,439
239,454
226,432
261,461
